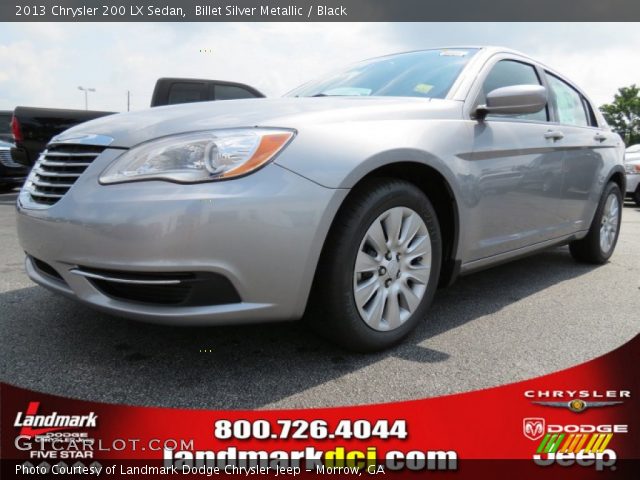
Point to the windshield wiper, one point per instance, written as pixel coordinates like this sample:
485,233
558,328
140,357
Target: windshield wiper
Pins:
320,95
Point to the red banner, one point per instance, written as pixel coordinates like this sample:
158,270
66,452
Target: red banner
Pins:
577,423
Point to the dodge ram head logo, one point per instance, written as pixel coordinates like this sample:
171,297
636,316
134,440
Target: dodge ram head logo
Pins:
533,428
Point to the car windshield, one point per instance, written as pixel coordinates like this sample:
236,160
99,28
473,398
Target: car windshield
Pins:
428,74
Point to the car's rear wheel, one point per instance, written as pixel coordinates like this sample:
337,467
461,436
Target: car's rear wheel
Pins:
636,196
599,244
380,267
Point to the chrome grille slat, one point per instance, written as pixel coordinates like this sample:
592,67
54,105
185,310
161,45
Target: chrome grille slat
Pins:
57,169
46,153
49,163
47,195
40,183
44,173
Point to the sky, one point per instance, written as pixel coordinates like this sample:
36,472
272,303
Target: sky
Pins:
42,64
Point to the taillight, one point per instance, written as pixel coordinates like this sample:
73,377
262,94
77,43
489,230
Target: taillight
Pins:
16,130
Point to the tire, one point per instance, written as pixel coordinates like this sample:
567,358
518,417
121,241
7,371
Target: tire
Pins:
636,196
594,248
334,310
6,188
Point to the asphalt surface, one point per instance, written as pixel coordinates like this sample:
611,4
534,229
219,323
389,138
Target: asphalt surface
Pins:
510,323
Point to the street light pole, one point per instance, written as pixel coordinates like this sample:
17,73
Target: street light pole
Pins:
86,96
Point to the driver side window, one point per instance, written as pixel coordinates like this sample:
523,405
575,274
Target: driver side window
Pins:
507,73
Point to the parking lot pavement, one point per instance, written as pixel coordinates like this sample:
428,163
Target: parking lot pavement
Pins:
512,322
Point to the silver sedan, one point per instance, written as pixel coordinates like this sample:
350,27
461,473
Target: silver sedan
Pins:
347,202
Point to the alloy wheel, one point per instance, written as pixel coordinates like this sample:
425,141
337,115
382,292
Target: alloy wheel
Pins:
392,268
609,223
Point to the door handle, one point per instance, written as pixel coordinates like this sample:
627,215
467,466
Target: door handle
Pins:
600,137
554,135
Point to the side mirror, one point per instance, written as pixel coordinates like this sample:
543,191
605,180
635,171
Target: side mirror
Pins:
514,100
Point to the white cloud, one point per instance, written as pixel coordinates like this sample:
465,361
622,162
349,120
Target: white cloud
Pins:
43,64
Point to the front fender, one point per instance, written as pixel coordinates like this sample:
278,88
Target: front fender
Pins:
357,149
338,155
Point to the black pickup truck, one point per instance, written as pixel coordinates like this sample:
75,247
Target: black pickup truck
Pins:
5,126
12,174
33,127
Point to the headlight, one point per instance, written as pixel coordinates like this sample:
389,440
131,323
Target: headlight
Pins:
199,156
632,168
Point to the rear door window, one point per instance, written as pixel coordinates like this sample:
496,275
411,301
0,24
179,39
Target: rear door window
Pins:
507,73
570,106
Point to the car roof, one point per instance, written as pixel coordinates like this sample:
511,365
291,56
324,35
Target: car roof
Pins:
487,49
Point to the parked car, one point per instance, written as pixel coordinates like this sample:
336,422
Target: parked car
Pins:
352,198
5,126
11,174
34,127
632,168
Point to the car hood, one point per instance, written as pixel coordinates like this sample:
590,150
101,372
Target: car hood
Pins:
632,157
130,129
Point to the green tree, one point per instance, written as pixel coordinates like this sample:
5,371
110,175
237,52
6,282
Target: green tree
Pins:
623,115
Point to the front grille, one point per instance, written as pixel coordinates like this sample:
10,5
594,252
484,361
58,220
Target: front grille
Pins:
6,160
57,169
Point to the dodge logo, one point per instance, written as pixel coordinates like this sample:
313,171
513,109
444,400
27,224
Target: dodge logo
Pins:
533,428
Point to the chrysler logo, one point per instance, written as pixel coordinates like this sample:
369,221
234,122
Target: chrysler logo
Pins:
577,405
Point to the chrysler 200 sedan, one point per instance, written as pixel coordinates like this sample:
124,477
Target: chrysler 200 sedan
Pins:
351,199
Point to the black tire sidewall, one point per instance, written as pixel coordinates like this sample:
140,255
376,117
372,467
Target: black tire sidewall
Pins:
365,208
595,227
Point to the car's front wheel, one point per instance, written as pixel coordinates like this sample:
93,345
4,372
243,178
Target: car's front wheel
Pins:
379,269
599,244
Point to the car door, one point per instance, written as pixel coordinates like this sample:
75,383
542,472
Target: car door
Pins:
516,169
585,146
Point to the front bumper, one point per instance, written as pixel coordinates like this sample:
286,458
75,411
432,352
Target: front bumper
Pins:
263,233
